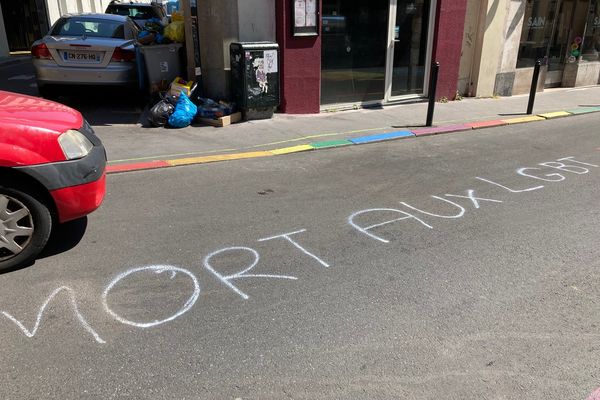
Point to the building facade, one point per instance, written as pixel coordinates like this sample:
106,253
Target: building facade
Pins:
345,53
333,53
338,53
504,39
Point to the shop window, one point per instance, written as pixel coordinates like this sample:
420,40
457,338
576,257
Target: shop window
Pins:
591,41
537,31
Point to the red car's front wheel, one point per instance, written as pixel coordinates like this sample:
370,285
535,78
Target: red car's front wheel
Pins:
25,226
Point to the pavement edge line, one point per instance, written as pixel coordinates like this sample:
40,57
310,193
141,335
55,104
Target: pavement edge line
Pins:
436,130
156,164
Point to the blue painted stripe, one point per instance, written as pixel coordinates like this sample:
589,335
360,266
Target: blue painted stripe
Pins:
382,136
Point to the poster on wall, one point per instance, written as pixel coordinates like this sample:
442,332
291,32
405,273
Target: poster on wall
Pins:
305,19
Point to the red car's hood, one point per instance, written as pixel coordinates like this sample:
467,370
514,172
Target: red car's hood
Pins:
37,113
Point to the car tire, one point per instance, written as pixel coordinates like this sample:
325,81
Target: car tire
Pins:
32,214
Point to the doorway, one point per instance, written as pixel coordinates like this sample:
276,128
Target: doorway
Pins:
411,28
374,51
353,52
557,47
567,34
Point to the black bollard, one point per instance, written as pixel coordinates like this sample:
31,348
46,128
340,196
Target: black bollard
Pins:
534,84
435,69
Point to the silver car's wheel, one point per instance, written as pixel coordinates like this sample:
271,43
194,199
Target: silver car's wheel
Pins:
25,225
16,227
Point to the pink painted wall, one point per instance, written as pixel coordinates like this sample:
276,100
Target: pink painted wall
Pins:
300,65
447,44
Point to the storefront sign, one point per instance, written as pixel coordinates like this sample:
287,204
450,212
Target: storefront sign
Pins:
305,17
536,22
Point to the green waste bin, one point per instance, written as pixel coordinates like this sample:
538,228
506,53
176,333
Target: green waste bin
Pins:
255,78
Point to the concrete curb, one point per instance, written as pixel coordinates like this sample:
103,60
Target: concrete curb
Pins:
374,138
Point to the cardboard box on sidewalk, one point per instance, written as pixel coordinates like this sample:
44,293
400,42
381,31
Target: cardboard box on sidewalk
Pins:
222,121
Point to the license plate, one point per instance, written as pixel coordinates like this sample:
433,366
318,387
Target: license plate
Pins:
82,56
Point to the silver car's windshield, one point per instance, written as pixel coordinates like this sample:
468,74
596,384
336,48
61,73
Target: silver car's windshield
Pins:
89,27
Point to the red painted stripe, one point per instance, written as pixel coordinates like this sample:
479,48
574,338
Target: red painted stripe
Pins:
486,124
136,166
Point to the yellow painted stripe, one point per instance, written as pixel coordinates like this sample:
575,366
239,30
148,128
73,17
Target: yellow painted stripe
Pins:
521,120
220,157
239,156
556,114
293,149
192,160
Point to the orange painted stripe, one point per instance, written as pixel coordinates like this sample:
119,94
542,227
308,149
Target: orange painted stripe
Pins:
486,124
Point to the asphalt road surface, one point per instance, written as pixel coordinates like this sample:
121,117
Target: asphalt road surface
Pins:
182,286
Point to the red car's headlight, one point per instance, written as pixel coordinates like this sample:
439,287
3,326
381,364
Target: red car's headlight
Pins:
74,144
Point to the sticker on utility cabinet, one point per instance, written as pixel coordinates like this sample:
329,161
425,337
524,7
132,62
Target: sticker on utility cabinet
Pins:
270,61
261,74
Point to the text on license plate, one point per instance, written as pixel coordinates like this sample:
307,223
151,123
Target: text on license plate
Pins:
82,56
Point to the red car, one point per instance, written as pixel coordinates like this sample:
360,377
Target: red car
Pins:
52,170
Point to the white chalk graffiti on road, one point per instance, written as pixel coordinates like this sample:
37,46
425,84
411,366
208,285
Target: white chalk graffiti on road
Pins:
558,165
242,274
31,333
158,269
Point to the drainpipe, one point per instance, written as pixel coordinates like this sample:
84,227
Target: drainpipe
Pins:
478,47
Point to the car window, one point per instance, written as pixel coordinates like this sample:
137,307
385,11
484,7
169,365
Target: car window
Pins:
133,12
89,27
172,6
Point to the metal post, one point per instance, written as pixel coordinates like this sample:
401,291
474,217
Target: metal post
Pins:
534,84
435,69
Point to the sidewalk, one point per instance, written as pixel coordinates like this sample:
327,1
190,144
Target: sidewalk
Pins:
134,144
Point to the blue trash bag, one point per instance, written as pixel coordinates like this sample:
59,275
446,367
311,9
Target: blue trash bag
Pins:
185,111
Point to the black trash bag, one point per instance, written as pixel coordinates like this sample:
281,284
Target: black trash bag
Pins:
160,113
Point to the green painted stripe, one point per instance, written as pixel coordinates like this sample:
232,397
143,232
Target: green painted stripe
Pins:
331,143
584,110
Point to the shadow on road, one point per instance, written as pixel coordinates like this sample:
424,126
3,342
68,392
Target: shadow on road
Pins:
64,237
104,105
100,105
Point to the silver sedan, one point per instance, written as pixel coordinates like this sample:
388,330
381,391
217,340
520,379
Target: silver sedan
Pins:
86,49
